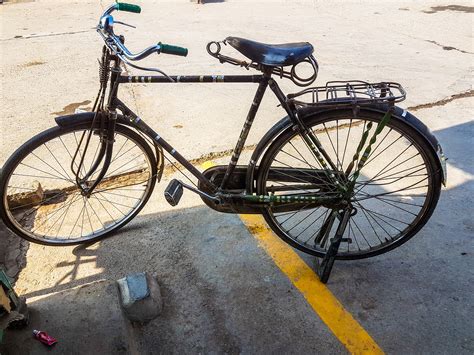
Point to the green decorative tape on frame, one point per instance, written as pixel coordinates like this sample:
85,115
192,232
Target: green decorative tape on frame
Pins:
289,199
122,6
365,155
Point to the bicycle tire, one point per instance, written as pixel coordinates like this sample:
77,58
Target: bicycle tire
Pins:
407,133
48,139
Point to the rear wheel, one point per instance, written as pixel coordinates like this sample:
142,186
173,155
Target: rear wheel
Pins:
42,203
394,195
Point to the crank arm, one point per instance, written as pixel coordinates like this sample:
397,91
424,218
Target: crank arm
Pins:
174,192
200,193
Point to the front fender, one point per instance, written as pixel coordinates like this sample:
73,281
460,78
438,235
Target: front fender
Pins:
81,118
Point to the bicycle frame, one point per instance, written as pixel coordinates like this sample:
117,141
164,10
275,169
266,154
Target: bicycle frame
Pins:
264,81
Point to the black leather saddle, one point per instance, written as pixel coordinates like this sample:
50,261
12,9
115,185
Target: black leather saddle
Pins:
277,55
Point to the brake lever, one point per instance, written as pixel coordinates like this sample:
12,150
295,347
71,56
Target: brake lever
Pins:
123,23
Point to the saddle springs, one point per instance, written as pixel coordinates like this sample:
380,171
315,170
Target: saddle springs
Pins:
307,68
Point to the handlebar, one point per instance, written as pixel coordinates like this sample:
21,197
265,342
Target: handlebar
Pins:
105,28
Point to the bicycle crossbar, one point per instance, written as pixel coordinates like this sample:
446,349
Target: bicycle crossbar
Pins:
192,79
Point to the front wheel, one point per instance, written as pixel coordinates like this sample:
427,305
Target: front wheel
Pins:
393,197
42,203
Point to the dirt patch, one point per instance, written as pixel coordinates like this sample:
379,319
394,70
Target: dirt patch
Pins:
457,8
69,109
33,63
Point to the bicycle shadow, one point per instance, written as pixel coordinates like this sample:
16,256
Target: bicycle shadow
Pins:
78,257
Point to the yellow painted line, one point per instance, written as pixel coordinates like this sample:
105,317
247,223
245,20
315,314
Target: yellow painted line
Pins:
208,164
349,332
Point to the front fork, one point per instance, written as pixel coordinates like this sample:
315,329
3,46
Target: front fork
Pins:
107,139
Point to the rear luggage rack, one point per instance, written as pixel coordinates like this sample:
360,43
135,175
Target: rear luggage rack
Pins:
349,93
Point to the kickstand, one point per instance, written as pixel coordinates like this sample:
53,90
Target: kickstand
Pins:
324,268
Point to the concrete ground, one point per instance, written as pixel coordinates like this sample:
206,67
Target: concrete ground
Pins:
222,292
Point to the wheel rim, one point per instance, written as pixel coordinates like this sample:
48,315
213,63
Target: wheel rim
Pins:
43,203
390,197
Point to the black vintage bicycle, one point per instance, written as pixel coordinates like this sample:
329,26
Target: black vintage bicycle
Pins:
345,175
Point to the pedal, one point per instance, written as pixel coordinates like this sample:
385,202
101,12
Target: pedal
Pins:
173,192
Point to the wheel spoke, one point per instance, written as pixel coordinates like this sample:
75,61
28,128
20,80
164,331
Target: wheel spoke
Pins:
304,219
332,144
51,176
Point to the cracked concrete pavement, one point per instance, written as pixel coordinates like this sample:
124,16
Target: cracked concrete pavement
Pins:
222,293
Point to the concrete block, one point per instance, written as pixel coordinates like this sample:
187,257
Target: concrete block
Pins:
140,297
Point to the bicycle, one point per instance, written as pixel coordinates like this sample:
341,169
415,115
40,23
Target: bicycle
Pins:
345,175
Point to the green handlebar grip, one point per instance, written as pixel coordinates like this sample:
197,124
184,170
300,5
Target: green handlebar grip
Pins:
122,6
170,49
